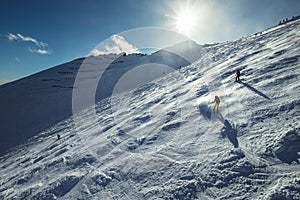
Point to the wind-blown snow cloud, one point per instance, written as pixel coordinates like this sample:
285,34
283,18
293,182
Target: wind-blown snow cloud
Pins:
115,44
41,45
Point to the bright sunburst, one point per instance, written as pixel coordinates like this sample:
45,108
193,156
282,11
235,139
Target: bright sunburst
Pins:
186,16
186,21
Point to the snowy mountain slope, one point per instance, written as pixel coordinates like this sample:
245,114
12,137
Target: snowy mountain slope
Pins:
161,141
35,103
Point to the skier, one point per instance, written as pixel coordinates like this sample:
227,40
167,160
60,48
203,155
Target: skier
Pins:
238,74
217,103
58,136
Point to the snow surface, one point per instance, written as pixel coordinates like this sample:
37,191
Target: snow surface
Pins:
35,103
162,141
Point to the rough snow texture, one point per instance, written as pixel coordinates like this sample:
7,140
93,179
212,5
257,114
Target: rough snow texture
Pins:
167,144
35,103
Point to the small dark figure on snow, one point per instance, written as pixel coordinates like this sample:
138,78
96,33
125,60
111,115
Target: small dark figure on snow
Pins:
58,136
217,103
238,74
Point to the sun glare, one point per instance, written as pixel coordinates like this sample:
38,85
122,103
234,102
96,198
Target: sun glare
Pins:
186,21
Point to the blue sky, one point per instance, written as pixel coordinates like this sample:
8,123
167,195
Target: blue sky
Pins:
36,35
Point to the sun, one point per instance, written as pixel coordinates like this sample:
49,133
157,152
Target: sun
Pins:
185,17
186,21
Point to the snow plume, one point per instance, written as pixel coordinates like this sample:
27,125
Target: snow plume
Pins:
41,45
115,44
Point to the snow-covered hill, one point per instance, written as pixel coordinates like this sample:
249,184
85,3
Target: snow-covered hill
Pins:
162,140
35,103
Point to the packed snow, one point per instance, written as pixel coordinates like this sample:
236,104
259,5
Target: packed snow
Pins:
162,140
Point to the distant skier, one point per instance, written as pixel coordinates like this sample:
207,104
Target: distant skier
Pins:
237,75
217,103
58,136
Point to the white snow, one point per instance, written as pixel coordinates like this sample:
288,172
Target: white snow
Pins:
116,44
161,140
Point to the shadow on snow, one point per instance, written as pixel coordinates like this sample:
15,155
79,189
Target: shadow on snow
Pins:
253,89
227,130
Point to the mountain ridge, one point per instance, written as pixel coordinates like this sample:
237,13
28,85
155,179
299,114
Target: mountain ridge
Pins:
38,101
